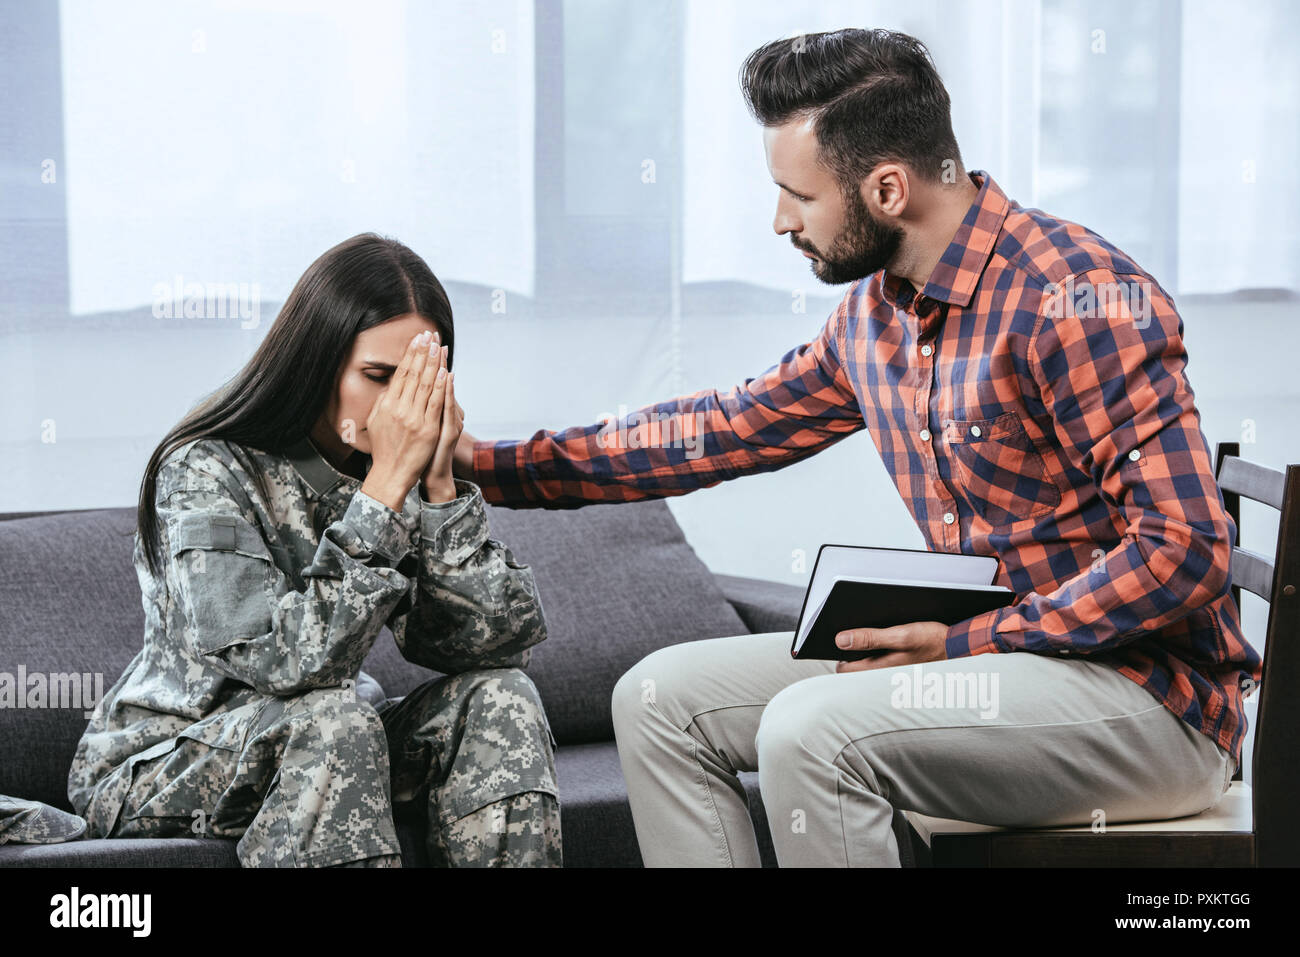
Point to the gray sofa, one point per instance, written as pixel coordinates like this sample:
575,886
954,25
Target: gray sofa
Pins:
617,582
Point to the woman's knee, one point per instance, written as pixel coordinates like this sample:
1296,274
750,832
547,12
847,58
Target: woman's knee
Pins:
503,690
503,702
511,681
322,712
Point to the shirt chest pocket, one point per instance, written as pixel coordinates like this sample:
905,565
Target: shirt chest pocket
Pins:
224,577
998,470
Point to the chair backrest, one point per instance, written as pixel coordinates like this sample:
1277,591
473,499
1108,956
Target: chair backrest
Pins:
1276,773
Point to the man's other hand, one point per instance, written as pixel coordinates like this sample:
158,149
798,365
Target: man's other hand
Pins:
900,645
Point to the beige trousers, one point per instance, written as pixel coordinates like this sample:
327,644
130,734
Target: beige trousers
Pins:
1007,739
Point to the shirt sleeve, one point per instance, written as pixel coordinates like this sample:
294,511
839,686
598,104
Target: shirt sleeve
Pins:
475,605
1113,378
242,615
799,406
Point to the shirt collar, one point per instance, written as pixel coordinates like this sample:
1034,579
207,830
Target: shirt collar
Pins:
959,269
321,477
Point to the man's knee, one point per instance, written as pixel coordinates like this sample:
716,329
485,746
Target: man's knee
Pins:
628,698
656,683
791,725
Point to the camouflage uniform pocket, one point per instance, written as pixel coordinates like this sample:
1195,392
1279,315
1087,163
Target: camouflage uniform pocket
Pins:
224,574
998,470
188,779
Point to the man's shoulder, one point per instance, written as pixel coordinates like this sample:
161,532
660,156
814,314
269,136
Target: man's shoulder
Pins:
1048,251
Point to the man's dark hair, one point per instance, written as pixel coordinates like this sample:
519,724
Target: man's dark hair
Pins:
875,95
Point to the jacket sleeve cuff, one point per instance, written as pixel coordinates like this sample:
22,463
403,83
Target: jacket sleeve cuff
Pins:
380,531
453,531
975,636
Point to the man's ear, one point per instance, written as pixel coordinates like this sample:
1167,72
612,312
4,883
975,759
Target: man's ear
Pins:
887,191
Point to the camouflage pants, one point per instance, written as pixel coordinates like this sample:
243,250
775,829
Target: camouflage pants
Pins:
313,779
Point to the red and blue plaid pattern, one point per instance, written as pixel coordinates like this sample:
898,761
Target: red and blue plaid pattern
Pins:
1030,403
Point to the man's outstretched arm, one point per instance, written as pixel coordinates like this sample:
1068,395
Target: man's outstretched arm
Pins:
797,407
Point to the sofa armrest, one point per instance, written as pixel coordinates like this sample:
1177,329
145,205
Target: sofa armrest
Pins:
763,605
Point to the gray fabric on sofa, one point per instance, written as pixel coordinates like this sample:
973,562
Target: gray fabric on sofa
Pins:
617,582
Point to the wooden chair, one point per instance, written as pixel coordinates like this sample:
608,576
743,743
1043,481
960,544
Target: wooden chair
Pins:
1248,827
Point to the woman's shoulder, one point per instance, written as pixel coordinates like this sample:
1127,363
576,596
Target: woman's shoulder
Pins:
206,461
201,454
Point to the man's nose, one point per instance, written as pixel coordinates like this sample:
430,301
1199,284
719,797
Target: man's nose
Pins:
785,221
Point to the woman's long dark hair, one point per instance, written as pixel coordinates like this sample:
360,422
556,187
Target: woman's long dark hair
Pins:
278,396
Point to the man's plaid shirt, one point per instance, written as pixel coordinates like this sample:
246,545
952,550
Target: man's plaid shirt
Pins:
1030,403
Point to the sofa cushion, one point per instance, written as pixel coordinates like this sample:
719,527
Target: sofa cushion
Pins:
72,607
616,582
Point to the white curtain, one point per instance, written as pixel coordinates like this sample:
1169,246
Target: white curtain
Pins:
1239,206
233,142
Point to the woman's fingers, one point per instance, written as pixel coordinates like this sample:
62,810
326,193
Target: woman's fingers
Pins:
420,399
450,424
396,384
411,384
449,433
392,392
433,406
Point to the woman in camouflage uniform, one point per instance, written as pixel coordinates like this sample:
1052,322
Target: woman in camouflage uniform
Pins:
282,524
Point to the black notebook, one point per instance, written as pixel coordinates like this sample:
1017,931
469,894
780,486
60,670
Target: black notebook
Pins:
855,586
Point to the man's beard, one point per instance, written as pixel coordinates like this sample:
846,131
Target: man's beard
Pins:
863,247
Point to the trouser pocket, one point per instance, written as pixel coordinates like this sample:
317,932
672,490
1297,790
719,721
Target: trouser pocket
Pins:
177,792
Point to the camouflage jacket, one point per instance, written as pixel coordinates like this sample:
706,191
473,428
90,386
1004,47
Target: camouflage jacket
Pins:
279,596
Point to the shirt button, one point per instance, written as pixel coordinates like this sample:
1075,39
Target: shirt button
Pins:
975,431
949,518
1134,455
927,349
925,435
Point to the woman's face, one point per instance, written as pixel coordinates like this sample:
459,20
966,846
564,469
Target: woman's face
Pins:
366,372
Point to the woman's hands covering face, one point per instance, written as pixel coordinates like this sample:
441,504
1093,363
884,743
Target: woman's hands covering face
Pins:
409,421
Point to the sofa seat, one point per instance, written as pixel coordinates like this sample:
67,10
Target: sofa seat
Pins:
596,823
